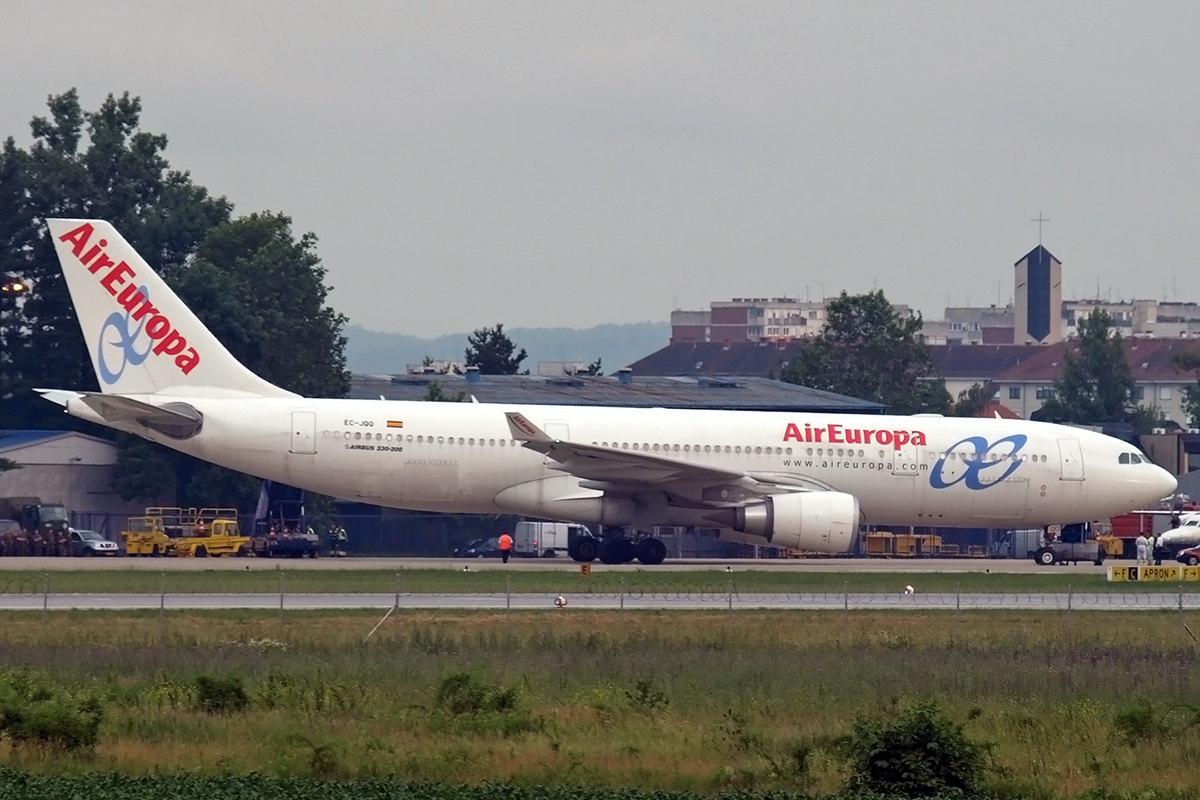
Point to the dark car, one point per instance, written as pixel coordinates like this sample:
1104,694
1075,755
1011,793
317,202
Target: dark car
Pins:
90,543
480,548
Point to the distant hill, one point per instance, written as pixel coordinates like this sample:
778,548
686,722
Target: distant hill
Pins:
616,345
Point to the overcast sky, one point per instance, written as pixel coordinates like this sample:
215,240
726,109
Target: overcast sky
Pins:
569,163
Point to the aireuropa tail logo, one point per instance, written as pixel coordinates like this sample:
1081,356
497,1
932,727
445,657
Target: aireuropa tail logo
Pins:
985,465
119,335
140,318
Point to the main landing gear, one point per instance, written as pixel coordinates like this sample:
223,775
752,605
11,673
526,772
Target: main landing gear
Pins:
618,549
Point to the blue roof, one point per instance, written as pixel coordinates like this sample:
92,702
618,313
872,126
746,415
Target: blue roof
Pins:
11,439
641,391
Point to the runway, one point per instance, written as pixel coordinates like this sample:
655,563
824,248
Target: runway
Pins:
659,601
809,565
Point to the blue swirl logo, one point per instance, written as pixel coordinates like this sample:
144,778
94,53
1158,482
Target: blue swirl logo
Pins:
969,468
121,344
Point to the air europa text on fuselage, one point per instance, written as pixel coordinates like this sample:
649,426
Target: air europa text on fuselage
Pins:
840,434
168,341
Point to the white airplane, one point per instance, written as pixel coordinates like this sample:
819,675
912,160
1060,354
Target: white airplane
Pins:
806,481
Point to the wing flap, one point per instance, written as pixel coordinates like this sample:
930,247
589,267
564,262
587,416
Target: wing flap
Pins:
591,462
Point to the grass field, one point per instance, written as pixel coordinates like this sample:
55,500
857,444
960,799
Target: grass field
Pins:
701,701
568,581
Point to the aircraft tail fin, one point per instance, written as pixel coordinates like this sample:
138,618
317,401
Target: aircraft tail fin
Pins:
141,336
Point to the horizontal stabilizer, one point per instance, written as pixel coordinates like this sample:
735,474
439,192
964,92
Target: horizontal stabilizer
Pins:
177,420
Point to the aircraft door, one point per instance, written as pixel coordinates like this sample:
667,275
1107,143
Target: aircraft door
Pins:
1070,459
906,461
304,433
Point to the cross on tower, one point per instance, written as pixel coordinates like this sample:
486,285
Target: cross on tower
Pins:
1040,219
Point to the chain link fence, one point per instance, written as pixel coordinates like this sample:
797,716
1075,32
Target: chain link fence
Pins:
347,589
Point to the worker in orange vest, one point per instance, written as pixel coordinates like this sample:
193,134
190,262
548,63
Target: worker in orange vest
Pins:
505,546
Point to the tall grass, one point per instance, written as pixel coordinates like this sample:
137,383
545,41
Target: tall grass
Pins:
673,700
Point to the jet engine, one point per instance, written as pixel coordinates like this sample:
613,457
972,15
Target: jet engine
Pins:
821,521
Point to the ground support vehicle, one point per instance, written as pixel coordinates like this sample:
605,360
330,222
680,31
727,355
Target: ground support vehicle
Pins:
40,529
544,539
221,537
296,545
1073,543
168,531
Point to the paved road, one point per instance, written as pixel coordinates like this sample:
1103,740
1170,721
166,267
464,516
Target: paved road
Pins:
658,601
817,565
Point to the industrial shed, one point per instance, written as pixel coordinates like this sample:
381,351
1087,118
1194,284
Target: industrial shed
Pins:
623,389
66,467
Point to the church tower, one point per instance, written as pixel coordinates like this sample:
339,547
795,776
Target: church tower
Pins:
1038,298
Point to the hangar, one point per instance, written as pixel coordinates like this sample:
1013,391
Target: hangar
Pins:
623,389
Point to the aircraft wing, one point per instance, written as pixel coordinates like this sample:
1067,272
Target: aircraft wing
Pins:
621,467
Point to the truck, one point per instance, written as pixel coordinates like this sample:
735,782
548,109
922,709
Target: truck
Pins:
531,539
173,531
1073,543
286,545
40,529
544,539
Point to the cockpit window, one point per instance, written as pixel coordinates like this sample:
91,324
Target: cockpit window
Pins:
1132,458
1124,459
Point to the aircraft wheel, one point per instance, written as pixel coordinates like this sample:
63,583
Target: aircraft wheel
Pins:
618,550
651,551
585,549
1045,557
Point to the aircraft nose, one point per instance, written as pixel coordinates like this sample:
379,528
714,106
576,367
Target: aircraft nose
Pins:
1165,483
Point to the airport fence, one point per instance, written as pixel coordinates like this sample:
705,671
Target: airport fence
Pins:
349,589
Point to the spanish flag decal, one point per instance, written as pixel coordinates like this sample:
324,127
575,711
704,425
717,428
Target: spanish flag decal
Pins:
395,423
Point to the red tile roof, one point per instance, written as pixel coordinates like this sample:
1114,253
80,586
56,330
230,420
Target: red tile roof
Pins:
1149,360
994,409
980,361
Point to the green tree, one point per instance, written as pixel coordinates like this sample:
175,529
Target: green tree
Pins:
144,471
1096,384
120,176
867,350
7,464
493,352
1188,361
436,393
595,368
259,288
262,292
971,402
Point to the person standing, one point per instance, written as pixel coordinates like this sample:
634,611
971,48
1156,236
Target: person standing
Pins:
505,545
1141,549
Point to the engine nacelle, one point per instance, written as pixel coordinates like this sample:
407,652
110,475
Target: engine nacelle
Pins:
826,522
